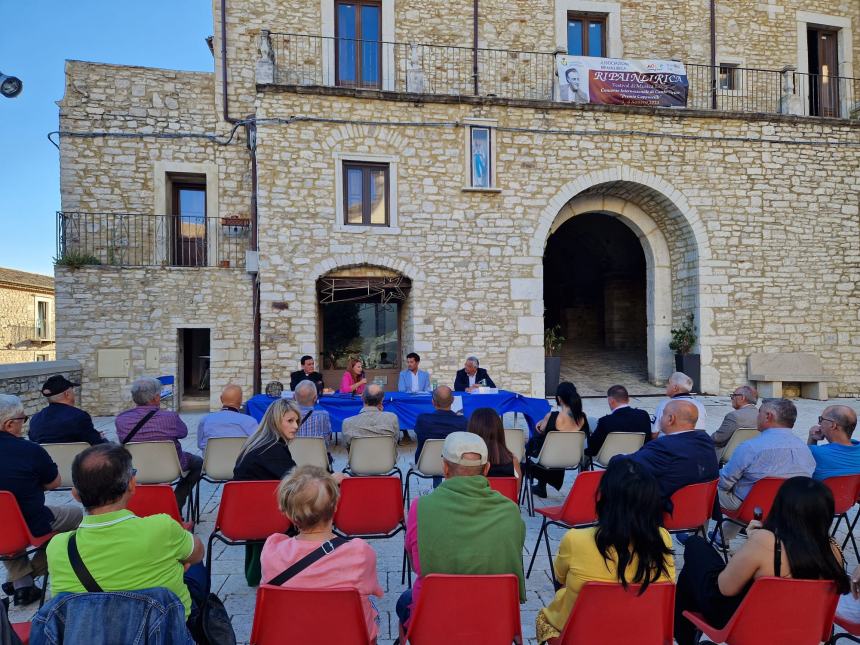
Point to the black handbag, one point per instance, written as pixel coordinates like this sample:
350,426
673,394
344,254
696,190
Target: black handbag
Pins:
210,623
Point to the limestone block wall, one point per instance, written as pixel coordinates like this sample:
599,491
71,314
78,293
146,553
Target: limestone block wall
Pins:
140,310
17,322
25,381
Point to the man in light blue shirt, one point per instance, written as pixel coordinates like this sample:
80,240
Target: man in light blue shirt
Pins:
776,452
412,379
228,421
313,422
840,455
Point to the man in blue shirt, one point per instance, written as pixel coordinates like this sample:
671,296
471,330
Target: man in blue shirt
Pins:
438,424
841,454
61,421
228,421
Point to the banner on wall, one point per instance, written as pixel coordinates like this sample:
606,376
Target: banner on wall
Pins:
617,81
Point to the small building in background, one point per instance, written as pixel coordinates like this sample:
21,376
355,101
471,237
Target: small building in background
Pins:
26,317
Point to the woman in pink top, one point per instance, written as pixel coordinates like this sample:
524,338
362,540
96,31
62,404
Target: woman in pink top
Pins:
353,380
309,497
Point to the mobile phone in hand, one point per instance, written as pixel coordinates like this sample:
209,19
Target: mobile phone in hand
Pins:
758,513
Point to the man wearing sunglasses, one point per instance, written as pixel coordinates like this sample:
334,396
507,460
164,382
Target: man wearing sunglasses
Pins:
840,455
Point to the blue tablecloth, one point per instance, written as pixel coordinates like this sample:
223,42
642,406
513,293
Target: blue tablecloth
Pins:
407,407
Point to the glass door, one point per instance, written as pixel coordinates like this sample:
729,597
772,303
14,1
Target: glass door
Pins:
358,48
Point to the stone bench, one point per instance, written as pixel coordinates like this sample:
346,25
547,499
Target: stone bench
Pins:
769,371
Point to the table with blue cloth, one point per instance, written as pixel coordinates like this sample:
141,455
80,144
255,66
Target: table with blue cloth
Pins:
407,407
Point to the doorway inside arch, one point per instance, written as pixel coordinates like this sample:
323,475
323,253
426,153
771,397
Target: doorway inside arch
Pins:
595,290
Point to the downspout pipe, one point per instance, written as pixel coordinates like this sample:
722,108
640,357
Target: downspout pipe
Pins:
474,44
225,104
713,54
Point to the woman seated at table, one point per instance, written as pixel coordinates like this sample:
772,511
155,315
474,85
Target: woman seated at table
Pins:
794,542
353,380
568,418
487,424
309,497
628,545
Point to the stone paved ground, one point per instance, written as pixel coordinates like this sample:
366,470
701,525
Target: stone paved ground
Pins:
594,368
228,577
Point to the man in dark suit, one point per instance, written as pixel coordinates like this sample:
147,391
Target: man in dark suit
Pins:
623,418
471,377
440,423
62,421
307,373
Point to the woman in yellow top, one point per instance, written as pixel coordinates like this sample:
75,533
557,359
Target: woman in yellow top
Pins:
629,518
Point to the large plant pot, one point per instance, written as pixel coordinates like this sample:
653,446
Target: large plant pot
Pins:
691,365
552,372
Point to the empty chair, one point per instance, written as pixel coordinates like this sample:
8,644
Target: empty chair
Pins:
761,495
560,450
168,390
151,499
310,451
846,490
738,437
618,443
63,455
218,462
156,461
515,440
608,614
15,538
852,630
507,486
429,464
692,507
372,456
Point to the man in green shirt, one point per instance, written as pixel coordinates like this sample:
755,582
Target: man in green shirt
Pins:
124,552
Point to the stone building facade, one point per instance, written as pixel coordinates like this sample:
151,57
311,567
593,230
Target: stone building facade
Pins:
27,318
747,215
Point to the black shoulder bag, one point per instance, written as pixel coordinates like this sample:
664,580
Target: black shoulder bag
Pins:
297,567
137,427
80,568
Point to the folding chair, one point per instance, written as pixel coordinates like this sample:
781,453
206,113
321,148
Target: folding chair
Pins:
429,464
507,486
738,437
618,443
560,450
846,490
852,630
15,538
608,614
310,451
515,440
777,610
168,390
308,616
151,499
762,495
219,459
579,509
63,454
372,456
692,507
248,514
466,609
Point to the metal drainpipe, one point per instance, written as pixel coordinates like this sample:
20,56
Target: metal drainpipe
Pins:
714,54
224,99
475,45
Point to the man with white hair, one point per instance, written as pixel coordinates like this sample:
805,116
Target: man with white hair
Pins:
27,471
744,414
313,422
148,422
472,376
678,387
61,421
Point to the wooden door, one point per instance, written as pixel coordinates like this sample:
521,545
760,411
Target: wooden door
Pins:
823,72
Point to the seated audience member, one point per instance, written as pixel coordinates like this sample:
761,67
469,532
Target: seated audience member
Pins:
794,542
439,423
849,604
148,422
621,418
27,471
464,526
228,421
313,422
353,380
372,420
412,379
307,373
744,415
682,456
61,421
121,551
568,418
471,377
841,454
309,497
628,545
487,424
679,386
776,452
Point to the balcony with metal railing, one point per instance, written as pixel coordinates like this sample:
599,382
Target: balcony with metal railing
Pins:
144,240
38,333
299,60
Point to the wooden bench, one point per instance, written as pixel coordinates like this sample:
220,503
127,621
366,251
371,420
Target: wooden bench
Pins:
770,371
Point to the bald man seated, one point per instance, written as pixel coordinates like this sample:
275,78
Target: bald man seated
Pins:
682,455
228,421
840,455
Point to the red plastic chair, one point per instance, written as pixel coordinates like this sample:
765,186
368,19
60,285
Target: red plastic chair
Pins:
463,610
777,610
853,526
151,499
248,514
320,616
852,630
507,486
608,614
846,490
579,509
15,538
692,507
22,631
761,495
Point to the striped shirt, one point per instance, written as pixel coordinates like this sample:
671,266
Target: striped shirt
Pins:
316,425
164,425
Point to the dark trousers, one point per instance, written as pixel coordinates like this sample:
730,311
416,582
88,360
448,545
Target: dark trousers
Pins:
697,590
402,606
186,484
197,581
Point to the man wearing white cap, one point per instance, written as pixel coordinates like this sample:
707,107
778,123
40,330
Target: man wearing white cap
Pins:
464,527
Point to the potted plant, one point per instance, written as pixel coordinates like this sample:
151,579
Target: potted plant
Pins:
683,340
552,340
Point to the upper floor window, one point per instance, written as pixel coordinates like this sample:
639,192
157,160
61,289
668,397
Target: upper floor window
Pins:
188,224
358,32
43,320
366,193
729,76
586,34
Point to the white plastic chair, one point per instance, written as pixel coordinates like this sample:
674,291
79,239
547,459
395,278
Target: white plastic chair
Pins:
738,437
310,451
372,456
156,461
515,440
63,454
618,443
219,459
562,450
429,464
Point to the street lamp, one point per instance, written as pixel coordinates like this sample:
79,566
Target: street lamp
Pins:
10,86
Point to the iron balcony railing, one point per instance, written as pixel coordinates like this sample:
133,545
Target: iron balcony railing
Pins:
140,240
34,333
307,60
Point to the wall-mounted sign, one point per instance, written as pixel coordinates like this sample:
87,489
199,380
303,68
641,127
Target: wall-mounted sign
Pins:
617,81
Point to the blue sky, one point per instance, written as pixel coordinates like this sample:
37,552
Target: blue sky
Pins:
37,37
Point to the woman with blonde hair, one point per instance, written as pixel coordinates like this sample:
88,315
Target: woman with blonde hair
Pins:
309,498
